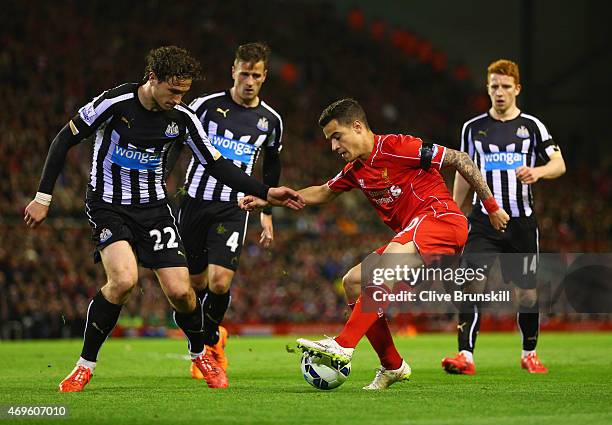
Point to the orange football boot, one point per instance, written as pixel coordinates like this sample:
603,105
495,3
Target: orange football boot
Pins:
218,350
533,364
218,353
210,370
76,381
458,365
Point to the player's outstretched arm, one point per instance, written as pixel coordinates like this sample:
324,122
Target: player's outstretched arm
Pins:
252,203
37,210
551,170
280,196
285,197
465,166
316,195
312,195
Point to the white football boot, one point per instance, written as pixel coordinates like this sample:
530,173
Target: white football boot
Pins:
327,347
386,377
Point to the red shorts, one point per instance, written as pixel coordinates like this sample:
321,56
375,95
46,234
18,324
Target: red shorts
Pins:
434,234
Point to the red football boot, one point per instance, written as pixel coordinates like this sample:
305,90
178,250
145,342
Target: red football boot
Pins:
211,372
218,353
76,380
533,364
218,350
458,365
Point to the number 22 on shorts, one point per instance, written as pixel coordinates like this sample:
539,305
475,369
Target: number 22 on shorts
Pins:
172,243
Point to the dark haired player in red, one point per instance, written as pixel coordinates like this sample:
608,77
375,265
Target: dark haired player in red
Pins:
399,176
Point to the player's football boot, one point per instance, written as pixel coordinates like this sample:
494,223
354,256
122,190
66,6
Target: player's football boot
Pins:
327,347
211,372
218,353
533,364
76,380
458,365
386,377
218,350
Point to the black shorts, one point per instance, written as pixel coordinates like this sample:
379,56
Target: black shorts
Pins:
518,244
213,233
151,230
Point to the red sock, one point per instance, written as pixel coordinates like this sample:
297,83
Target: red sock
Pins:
380,338
356,327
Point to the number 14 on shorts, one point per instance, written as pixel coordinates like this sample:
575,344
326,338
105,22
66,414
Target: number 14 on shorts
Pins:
530,264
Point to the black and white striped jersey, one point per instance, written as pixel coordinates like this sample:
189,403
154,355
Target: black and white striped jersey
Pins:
498,148
239,133
131,144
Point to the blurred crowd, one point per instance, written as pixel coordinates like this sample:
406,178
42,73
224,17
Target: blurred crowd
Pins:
56,57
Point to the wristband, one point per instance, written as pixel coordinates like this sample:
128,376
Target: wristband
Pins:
264,194
43,198
267,210
490,204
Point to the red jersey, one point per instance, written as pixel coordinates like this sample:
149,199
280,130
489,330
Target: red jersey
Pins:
394,182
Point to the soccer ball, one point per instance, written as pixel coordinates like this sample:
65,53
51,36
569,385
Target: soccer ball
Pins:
323,373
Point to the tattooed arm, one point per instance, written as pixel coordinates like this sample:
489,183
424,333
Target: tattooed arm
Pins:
461,162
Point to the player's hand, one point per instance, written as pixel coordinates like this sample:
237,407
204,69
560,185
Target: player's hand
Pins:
252,203
499,219
528,175
267,234
286,197
35,214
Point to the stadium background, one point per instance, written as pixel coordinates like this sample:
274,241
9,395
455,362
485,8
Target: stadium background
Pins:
415,71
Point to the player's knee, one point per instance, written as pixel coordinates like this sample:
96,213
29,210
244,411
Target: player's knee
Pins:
219,281
220,287
122,282
352,285
182,298
527,298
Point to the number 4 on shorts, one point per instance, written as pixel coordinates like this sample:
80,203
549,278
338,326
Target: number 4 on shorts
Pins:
232,241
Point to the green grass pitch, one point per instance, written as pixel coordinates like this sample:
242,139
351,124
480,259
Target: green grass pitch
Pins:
146,381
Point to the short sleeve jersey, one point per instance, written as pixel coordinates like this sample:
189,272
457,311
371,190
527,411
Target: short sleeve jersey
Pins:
395,183
498,148
239,133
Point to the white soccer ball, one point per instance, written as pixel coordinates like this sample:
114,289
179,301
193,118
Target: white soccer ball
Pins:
323,373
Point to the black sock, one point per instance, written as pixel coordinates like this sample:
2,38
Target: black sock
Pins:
102,317
201,293
215,306
468,327
193,327
529,324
